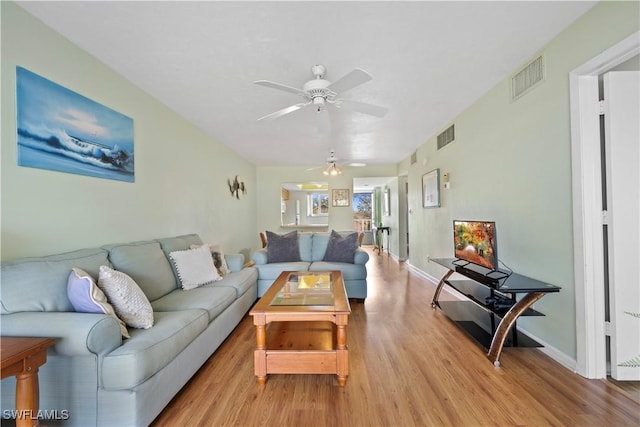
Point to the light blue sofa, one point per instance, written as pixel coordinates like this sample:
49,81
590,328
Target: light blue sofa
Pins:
91,372
312,247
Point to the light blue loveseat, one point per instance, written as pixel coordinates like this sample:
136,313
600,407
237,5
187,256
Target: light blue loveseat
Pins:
312,247
91,372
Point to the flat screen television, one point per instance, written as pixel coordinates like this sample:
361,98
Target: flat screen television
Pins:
475,242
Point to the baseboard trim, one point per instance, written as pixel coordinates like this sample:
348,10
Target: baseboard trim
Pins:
553,352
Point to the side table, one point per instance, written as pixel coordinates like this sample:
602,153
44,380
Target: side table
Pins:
379,236
22,356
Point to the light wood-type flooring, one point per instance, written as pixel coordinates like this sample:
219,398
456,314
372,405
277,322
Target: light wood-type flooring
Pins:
408,366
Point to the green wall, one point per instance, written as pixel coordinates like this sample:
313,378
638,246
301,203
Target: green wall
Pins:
180,173
511,162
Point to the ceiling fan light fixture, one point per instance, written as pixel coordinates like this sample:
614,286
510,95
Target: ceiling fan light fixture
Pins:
332,170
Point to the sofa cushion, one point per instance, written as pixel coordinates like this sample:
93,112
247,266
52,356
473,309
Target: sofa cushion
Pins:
128,300
319,246
195,267
212,299
146,264
349,271
271,271
282,247
305,244
241,280
150,350
40,284
178,243
341,248
87,297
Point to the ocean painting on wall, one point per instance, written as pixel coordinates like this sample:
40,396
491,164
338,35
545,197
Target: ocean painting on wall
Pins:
61,130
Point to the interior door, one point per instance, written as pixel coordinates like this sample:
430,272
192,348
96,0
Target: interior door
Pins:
622,153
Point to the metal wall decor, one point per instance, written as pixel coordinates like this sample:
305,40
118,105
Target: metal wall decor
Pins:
237,187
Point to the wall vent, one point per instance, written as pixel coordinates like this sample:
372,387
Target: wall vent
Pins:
446,137
414,157
527,78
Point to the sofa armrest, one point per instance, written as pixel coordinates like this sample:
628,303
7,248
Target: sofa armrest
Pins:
234,262
260,256
360,257
76,334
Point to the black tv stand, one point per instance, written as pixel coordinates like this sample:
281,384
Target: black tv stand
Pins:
493,299
478,276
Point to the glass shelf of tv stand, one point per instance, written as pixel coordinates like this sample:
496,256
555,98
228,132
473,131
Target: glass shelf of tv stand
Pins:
481,324
479,318
514,283
479,294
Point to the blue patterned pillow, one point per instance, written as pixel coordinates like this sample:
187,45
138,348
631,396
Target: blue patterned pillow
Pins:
282,247
341,248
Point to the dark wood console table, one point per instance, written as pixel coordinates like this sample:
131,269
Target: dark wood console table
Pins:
492,308
379,236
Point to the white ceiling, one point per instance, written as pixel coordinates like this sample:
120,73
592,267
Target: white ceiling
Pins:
429,61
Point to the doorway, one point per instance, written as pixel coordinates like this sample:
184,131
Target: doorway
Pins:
367,205
589,241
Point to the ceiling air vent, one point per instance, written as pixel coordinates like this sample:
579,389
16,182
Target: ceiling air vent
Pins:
414,157
527,78
446,137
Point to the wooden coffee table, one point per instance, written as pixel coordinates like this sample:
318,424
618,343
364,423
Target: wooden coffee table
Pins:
22,356
301,326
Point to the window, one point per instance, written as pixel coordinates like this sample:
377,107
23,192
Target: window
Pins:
318,204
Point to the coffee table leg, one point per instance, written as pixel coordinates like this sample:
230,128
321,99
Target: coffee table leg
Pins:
260,354
342,355
27,398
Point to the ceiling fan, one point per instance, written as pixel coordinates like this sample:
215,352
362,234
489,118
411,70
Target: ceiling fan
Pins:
332,163
319,93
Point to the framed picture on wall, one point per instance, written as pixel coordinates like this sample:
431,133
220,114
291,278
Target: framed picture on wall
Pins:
63,131
340,198
431,189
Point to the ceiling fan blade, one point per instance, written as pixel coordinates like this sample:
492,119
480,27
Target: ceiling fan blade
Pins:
351,80
284,111
280,86
361,107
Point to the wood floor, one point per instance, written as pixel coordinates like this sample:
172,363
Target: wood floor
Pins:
408,366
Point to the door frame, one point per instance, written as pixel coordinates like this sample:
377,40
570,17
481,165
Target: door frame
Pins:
587,206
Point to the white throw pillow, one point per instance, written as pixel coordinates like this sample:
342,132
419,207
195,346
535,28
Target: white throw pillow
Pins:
194,267
87,297
218,258
128,300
